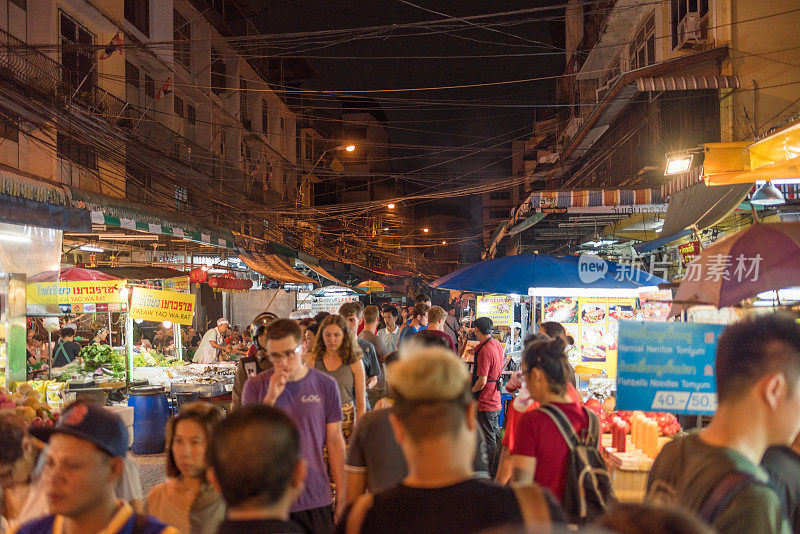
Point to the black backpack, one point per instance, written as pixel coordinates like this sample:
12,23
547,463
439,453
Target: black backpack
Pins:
588,493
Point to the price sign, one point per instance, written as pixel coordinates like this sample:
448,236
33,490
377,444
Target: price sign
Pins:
667,367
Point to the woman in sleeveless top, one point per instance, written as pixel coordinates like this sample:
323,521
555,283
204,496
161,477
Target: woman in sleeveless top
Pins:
338,355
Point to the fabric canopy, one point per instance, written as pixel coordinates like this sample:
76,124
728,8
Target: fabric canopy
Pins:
517,274
324,274
274,267
702,206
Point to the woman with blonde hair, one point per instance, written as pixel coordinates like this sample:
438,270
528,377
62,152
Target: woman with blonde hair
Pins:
186,500
337,354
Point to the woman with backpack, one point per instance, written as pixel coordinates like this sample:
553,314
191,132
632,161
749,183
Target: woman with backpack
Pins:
556,445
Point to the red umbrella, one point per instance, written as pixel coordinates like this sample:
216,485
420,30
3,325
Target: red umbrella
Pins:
764,257
72,274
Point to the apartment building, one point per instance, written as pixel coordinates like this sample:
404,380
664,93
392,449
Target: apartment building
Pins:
148,102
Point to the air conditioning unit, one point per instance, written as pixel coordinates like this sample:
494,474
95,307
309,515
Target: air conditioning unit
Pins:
690,31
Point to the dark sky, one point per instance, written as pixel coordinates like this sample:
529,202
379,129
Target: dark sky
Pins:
444,126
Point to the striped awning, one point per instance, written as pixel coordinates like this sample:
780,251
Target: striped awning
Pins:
687,83
274,267
98,217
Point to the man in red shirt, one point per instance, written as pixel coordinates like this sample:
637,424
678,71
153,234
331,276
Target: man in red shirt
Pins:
486,385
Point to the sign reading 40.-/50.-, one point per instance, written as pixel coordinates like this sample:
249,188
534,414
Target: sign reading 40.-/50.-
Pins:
667,367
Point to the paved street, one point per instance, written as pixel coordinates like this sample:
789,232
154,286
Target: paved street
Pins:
151,467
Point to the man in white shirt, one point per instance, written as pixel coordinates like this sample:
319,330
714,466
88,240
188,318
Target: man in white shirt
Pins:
212,343
390,334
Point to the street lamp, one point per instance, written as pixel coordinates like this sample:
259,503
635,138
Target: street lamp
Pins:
390,205
347,148
426,230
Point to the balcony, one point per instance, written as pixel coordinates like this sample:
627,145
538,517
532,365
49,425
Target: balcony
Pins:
34,71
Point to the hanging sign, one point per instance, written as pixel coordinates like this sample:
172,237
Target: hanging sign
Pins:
667,367
158,305
179,284
75,297
498,308
688,251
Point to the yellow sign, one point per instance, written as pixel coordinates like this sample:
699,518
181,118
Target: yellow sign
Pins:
158,305
597,332
498,308
179,284
91,292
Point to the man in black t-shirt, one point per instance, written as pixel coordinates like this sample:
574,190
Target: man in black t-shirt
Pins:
256,465
435,424
783,465
67,348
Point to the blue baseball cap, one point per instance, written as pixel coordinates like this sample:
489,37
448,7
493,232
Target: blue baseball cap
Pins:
90,422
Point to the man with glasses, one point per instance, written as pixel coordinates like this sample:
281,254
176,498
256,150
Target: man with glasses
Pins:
311,399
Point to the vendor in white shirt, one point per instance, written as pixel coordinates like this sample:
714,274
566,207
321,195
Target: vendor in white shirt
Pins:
212,343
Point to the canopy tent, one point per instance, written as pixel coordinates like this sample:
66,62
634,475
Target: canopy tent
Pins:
518,274
72,274
274,267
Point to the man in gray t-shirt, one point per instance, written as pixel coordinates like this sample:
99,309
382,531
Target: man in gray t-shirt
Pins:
375,461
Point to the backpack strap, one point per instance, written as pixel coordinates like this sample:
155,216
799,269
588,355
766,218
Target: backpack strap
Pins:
722,495
533,506
562,423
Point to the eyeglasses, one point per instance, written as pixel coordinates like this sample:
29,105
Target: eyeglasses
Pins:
286,355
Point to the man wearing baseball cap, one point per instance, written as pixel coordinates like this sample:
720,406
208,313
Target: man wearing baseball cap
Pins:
83,462
212,343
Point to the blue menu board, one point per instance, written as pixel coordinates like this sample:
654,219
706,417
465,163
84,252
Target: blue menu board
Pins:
667,367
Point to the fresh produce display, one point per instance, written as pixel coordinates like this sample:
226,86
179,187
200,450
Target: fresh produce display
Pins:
27,404
154,359
667,423
102,358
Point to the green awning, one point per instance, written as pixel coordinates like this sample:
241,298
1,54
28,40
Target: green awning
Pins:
98,217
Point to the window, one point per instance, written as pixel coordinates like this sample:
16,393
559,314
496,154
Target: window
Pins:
131,74
9,130
22,4
243,113
77,54
177,105
149,86
680,9
309,148
283,126
137,12
191,114
499,214
75,151
219,81
182,35
642,50
500,195
181,197
265,118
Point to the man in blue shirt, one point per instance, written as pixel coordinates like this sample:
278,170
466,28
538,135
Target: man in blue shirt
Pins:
419,321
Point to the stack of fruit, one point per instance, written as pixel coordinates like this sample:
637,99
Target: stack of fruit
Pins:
667,423
27,404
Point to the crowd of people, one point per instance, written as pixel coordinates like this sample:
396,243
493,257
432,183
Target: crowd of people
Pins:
387,430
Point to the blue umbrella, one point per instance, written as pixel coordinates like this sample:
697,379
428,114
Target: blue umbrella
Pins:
515,274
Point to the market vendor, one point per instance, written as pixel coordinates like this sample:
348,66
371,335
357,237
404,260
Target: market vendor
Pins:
212,343
67,348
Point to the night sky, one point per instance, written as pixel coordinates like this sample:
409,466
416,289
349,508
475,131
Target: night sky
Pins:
445,126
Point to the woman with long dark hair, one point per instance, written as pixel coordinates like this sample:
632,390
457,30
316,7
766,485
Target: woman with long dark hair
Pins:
337,354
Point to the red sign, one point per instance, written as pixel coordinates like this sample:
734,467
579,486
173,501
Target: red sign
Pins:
688,251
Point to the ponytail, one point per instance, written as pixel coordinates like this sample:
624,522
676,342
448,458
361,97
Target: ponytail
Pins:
548,356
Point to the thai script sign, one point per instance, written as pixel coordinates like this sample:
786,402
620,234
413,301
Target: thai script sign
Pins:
158,305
